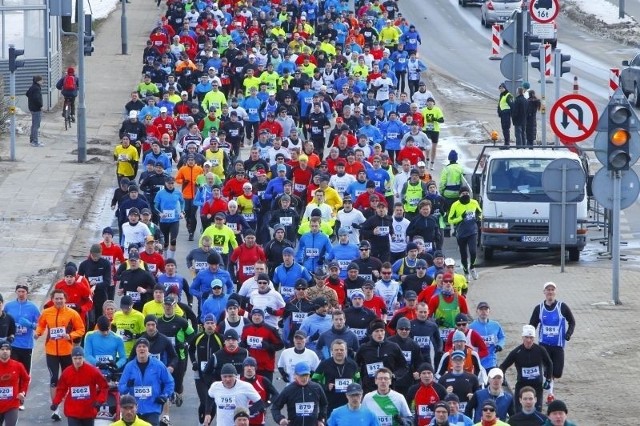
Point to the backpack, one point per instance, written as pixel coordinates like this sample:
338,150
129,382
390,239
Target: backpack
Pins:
69,83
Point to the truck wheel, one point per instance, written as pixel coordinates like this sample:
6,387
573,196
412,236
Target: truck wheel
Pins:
574,254
488,253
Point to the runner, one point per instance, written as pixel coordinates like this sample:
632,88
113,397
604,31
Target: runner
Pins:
14,384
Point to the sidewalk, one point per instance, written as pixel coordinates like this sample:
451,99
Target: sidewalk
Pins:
47,194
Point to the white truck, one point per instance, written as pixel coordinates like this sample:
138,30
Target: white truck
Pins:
515,209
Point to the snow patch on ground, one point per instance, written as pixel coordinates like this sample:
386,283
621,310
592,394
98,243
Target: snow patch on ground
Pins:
605,11
100,9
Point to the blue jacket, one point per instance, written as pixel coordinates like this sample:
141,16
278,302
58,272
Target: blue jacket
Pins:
201,284
356,188
169,203
162,157
251,104
156,376
373,134
214,305
393,131
380,177
504,404
284,277
344,254
275,187
305,97
400,60
314,325
312,249
411,40
26,315
95,344
493,335
286,65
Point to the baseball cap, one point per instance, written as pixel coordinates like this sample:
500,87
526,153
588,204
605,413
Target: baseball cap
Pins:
549,284
231,334
449,261
410,295
320,301
300,333
528,331
169,300
354,389
483,305
302,368
495,372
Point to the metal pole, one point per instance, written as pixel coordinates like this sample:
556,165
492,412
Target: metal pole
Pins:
123,27
525,58
543,108
563,217
82,123
615,244
621,9
12,110
556,75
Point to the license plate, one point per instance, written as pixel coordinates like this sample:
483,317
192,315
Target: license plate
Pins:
535,239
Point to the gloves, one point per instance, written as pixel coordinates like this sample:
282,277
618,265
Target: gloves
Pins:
285,377
567,336
270,310
498,348
25,322
130,383
160,400
53,407
440,321
546,385
315,337
194,366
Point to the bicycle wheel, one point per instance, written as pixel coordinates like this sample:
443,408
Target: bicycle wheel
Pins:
67,117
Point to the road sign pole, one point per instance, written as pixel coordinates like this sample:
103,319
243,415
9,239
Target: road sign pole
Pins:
12,106
525,57
543,108
556,76
563,225
615,244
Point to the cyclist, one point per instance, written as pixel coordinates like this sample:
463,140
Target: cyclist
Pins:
68,85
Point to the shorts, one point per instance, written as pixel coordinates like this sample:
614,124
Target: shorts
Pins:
557,357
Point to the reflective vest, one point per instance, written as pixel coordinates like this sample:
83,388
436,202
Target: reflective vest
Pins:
503,104
413,196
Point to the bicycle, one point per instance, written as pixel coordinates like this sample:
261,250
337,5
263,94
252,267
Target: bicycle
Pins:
66,113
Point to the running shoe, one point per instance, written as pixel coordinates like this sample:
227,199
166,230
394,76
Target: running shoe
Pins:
165,420
550,398
55,416
178,400
474,274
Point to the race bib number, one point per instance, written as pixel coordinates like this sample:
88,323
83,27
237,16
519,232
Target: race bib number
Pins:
344,264
383,230
152,267
56,333
156,356
6,392
286,221
312,252
287,291
402,60
249,270
444,333
142,392
341,385
392,135
422,341
249,216
298,317
199,266
233,226
215,162
360,333
227,402
103,358
407,355
490,339
253,110
551,330
80,392
203,365
20,330
462,405
135,296
366,277
305,409
429,126
298,187
95,280
359,193
428,246
254,342
373,368
424,411
530,372
169,214
385,420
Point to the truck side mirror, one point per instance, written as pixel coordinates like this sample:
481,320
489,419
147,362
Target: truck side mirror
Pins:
625,63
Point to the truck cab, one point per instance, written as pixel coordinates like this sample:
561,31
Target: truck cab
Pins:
515,208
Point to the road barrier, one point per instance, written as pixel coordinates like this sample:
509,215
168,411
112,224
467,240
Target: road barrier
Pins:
614,80
496,42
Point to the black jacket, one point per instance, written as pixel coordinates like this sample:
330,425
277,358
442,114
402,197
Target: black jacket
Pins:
519,111
34,97
294,393
371,353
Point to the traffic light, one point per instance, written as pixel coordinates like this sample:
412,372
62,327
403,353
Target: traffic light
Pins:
559,61
619,136
536,54
89,36
529,46
14,63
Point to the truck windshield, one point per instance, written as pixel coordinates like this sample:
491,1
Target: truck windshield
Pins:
521,176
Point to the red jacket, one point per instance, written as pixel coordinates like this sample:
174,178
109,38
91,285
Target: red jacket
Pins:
233,188
301,179
245,257
155,262
258,383
13,375
413,154
78,295
262,341
377,305
405,312
113,254
214,206
81,388
338,288
474,339
273,127
363,200
427,395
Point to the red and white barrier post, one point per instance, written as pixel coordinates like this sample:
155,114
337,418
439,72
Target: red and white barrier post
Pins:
614,80
496,42
547,60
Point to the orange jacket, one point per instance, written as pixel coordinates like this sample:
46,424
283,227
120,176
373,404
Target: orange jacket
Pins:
81,388
59,321
12,375
187,178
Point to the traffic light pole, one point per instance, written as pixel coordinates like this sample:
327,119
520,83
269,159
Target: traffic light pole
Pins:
543,100
12,109
82,121
123,27
557,63
615,244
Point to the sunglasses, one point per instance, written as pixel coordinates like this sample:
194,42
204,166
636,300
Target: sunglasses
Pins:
364,249
263,282
404,329
460,324
420,267
386,273
448,281
489,409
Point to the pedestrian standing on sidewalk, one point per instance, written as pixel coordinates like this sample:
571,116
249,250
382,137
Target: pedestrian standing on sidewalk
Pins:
34,97
533,106
519,116
505,103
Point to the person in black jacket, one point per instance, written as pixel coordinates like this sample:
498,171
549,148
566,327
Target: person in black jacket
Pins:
533,106
519,116
97,270
426,226
34,98
296,394
376,230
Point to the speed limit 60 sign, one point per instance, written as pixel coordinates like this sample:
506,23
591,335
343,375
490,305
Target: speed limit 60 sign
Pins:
544,11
